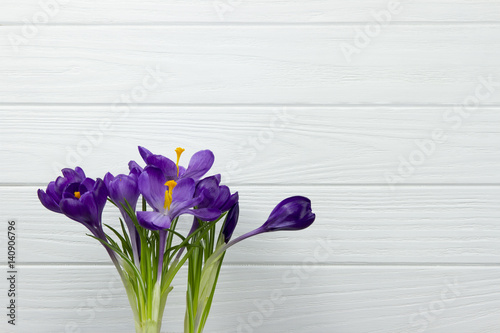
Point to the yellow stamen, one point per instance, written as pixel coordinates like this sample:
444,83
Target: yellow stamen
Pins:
168,193
179,152
77,195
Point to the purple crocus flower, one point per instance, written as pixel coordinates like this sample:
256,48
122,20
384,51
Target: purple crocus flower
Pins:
123,189
293,213
53,195
198,166
79,198
215,195
169,199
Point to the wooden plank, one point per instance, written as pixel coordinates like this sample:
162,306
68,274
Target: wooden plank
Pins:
355,224
257,11
264,145
274,299
422,65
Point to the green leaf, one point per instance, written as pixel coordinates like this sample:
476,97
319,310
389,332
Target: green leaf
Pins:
127,260
125,245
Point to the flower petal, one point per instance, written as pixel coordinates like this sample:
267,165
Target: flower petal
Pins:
204,214
167,166
153,220
184,190
100,193
88,199
48,201
224,196
152,186
182,171
135,169
218,178
179,207
60,185
76,210
108,177
51,191
233,199
73,176
122,188
231,222
87,185
208,189
80,172
144,153
199,164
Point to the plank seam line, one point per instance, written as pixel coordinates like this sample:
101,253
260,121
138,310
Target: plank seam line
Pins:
253,184
282,264
257,24
252,105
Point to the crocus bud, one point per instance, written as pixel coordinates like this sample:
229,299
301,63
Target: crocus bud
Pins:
122,188
231,222
293,213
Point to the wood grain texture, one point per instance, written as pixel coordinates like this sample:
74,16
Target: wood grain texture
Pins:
355,224
263,145
324,299
421,256
257,11
289,65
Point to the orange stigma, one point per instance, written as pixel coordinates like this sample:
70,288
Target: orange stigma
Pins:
77,195
168,193
179,152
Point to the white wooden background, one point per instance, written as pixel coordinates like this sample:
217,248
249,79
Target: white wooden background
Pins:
421,255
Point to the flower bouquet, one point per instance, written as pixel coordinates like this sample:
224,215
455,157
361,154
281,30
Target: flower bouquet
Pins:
146,249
